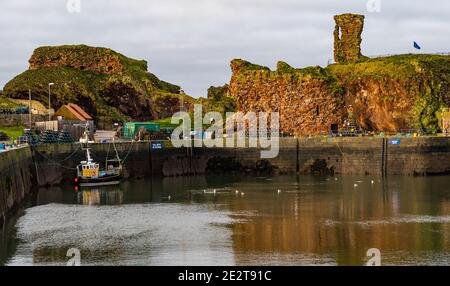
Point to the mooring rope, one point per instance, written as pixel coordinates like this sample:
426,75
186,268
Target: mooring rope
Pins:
59,163
338,147
107,152
129,151
73,153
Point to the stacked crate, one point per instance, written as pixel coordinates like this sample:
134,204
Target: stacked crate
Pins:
64,136
49,137
29,138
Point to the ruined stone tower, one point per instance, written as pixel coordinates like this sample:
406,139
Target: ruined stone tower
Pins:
347,38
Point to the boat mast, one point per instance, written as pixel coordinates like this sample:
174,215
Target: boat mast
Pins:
88,154
117,153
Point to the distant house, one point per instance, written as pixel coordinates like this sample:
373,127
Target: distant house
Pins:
70,117
72,112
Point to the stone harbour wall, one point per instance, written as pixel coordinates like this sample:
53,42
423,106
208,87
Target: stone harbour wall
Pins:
17,176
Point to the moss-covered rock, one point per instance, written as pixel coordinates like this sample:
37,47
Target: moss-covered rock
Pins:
219,100
385,94
347,38
381,94
309,100
107,84
397,92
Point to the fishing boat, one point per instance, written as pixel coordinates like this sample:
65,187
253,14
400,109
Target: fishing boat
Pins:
91,174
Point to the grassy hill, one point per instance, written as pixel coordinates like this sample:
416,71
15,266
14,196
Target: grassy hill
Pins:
107,84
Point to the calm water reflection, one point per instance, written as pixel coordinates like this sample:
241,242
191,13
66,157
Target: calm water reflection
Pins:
182,221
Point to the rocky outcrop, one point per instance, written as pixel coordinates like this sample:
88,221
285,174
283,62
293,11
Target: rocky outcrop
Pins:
380,94
217,93
97,60
108,85
383,94
398,92
309,100
219,100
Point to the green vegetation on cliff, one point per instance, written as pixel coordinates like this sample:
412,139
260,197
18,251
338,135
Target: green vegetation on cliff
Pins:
6,103
107,84
416,85
219,100
386,93
247,65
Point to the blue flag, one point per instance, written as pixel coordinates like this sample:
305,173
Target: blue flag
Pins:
416,46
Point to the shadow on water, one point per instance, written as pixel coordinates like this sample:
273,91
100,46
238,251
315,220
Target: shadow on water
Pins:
233,220
8,244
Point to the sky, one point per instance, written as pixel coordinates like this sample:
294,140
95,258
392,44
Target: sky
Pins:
191,42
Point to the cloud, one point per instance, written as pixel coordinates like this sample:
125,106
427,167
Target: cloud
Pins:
190,42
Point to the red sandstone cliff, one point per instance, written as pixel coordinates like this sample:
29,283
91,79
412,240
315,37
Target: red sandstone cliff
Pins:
308,103
381,94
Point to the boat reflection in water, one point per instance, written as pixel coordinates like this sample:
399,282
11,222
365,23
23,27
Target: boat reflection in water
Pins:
108,195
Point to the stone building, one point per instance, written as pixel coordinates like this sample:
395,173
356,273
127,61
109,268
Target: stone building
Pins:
73,112
71,118
347,38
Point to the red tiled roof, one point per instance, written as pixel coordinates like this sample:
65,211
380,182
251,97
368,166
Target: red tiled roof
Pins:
77,112
80,111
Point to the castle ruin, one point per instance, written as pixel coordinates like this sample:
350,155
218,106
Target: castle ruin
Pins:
347,38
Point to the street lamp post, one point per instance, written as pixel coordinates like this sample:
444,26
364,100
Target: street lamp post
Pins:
29,108
49,104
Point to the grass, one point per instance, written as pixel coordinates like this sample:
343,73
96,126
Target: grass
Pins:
12,132
423,79
36,105
6,103
93,86
166,123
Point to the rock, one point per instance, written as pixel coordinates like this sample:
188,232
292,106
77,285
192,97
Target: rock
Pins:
309,100
381,94
108,85
97,60
398,92
219,100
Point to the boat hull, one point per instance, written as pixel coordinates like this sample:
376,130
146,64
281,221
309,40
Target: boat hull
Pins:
103,181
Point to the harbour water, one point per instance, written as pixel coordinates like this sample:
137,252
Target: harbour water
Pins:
219,220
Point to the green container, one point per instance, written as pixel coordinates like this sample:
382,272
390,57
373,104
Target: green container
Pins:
130,129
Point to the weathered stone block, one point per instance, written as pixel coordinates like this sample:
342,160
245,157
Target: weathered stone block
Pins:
347,38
